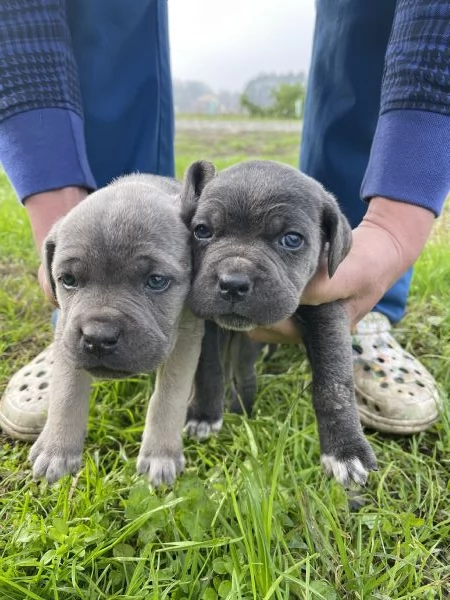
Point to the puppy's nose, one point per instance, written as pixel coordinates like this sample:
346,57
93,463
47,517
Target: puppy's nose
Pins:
100,338
234,286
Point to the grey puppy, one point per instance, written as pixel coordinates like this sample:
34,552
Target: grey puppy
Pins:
119,265
259,230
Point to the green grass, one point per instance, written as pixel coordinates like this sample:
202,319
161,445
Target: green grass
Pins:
253,517
226,149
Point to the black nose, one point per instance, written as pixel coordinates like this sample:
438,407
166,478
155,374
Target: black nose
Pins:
100,338
234,286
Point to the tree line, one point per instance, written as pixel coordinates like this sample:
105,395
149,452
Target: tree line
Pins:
267,95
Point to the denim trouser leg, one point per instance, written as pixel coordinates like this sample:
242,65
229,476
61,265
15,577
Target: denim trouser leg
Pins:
342,105
122,52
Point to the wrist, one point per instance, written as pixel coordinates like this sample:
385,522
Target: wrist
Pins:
407,225
46,208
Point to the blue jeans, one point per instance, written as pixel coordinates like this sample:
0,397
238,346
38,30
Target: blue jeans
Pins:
341,109
122,53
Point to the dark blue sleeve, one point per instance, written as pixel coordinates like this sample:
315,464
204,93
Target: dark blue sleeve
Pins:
41,122
410,156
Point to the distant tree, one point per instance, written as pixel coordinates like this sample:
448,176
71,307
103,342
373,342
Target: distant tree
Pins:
287,102
259,90
252,109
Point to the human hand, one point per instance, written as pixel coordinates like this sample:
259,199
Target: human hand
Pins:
44,210
385,244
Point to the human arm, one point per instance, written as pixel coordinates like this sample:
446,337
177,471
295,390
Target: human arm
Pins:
408,175
44,210
42,145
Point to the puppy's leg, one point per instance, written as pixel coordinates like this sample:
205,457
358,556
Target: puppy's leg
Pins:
345,453
205,411
58,449
161,454
243,355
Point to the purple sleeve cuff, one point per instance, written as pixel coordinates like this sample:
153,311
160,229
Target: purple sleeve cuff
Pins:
410,159
43,150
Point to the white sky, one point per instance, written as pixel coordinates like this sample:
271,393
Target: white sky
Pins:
227,42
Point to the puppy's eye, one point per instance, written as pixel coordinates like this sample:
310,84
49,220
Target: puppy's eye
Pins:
68,281
158,283
291,240
203,232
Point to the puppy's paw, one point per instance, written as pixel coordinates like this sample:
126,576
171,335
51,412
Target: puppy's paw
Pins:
204,418
160,468
203,429
351,465
52,461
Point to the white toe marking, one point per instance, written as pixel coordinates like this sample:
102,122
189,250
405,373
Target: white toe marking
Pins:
358,473
344,471
203,429
216,426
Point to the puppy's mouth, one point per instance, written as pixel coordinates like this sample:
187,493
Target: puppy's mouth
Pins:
102,372
100,367
235,322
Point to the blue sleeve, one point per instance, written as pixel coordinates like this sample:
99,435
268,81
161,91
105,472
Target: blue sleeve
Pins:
410,156
41,122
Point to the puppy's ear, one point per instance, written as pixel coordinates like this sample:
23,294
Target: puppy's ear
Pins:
338,233
195,179
48,252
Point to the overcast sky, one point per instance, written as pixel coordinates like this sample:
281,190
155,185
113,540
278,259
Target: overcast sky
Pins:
227,42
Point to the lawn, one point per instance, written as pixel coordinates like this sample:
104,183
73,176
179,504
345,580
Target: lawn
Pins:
253,516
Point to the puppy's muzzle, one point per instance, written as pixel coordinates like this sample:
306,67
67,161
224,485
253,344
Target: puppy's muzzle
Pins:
234,287
99,338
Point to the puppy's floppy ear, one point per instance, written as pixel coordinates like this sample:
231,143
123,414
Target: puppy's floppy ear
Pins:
48,252
195,179
337,232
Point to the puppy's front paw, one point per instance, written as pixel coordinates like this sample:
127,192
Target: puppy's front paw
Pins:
160,468
203,429
52,460
350,464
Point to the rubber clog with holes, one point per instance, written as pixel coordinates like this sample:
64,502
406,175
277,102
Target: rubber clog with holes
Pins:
394,391
23,408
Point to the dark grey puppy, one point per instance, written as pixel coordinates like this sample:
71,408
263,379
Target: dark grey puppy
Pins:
259,230
119,265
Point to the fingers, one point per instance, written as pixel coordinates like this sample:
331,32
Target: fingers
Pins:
283,332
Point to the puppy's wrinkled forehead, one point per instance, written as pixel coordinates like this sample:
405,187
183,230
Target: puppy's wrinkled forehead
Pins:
121,222
260,194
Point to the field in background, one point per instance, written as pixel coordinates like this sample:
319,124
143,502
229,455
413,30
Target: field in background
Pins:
228,141
252,517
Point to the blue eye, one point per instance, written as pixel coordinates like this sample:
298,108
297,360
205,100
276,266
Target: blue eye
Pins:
203,232
291,240
68,281
158,283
